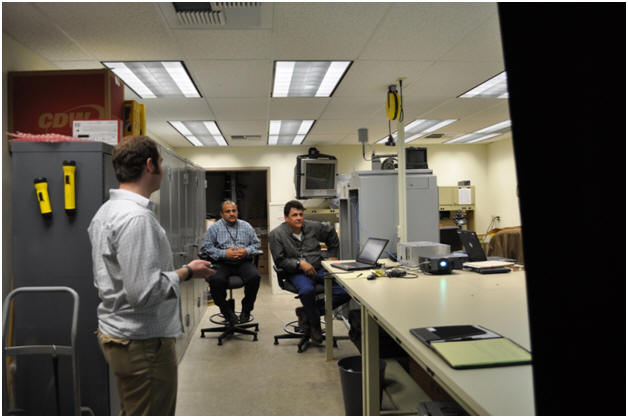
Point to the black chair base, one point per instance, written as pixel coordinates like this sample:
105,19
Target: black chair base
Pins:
229,330
304,339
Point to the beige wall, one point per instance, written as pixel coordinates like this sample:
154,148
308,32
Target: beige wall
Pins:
503,183
487,166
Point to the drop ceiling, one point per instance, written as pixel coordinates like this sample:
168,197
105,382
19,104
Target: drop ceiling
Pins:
440,49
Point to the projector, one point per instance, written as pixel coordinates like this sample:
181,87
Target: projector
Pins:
435,265
409,253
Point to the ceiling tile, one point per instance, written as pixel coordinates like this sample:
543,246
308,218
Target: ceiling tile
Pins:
482,44
297,108
425,31
224,44
451,79
178,109
372,78
25,23
232,78
240,109
323,30
350,108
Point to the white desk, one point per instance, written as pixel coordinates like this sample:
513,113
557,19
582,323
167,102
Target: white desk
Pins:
495,301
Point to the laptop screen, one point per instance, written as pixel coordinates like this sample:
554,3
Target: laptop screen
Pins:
472,245
372,250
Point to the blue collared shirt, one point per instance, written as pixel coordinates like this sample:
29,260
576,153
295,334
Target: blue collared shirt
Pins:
221,236
133,270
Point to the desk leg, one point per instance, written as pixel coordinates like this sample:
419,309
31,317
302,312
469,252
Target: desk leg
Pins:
329,321
370,364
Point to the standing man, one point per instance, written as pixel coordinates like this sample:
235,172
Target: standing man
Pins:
231,243
139,317
295,247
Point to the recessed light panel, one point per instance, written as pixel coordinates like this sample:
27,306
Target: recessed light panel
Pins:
418,128
288,132
151,79
496,87
201,133
482,134
307,78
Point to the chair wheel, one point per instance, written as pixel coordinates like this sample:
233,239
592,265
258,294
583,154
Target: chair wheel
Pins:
202,334
276,341
255,338
257,328
220,341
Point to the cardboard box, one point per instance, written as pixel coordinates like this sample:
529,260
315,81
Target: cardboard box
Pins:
42,102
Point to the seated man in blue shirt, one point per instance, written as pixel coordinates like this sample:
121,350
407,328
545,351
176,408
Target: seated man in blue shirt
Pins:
231,243
295,247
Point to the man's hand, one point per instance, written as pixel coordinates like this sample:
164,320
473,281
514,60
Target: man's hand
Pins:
234,253
307,268
200,269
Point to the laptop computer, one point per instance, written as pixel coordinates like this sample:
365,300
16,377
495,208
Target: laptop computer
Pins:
478,261
471,244
367,259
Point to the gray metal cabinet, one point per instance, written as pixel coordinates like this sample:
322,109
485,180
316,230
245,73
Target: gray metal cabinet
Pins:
57,252
373,209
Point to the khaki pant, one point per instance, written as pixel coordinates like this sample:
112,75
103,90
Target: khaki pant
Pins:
146,372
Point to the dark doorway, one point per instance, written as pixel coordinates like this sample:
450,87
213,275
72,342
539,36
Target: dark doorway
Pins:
249,189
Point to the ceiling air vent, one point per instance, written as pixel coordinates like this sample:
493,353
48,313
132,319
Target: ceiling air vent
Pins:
435,136
198,14
224,5
246,137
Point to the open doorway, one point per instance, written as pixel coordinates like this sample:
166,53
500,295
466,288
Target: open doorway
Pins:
249,189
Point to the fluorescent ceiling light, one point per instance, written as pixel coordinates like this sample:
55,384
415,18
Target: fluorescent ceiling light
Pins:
419,128
200,133
471,138
307,78
497,127
496,87
288,132
150,79
481,134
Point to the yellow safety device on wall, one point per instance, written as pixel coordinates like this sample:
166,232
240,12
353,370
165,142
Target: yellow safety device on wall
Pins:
142,118
393,103
41,189
69,186
132,118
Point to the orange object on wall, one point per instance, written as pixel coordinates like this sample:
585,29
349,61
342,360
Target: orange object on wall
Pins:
43,102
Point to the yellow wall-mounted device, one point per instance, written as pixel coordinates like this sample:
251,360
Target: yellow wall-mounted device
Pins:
393,103
41,190
133,118
142,119
69,186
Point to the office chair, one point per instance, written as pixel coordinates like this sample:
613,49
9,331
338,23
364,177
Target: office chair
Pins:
292,329
226,329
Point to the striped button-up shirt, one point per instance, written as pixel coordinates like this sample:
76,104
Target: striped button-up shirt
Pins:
221,236
133,270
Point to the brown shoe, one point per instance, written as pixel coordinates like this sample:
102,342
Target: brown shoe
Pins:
304,325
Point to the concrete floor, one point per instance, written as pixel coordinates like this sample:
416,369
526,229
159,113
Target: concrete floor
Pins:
246,377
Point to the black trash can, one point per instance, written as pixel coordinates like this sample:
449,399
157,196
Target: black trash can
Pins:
351,381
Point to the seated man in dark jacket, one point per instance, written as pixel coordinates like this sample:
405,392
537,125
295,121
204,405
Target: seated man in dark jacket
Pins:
295,247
